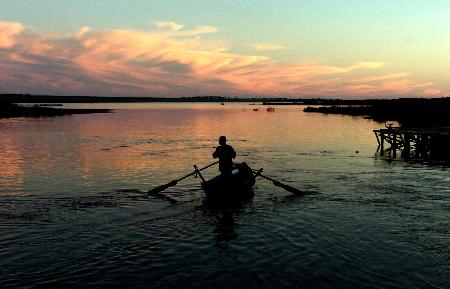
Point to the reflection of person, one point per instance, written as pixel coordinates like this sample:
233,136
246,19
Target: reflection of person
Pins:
226,154
225,231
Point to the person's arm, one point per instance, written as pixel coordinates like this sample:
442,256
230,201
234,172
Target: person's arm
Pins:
215,154
233,153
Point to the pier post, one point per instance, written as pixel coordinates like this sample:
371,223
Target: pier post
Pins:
394,145
421,146
418,147
407,147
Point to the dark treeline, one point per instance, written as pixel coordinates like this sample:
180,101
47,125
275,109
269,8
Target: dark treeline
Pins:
411,112
28,98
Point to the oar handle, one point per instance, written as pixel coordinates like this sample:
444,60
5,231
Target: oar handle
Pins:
258,173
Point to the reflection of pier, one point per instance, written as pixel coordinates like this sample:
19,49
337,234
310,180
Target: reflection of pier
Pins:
414,143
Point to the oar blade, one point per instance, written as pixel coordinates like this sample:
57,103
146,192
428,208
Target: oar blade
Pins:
288,188
161,188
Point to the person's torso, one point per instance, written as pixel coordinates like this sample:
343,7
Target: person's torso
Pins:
225,152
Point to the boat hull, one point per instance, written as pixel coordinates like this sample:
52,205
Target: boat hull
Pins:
232,187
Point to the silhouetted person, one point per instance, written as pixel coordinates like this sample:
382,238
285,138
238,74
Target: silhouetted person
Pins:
226,154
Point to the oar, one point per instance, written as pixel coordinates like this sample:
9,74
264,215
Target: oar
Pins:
281,185
161,188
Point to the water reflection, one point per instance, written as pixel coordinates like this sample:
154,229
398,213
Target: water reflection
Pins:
225,228
379,217
152,145
12,167
226,217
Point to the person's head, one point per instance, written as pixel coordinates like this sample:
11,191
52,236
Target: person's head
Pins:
222,140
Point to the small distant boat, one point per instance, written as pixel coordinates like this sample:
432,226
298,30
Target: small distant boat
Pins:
237,186
271,109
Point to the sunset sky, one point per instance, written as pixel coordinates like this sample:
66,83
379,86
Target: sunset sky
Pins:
281,48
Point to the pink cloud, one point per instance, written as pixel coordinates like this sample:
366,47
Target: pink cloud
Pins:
432,92
8,33
378,78
174,61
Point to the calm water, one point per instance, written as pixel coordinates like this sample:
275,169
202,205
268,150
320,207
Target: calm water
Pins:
74,213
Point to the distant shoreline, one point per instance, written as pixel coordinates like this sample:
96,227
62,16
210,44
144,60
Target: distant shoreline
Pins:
58,99
408,112
11,110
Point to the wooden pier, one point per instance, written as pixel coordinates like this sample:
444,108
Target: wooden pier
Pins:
414,144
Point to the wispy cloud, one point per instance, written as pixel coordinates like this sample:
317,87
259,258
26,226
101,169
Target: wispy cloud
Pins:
381,77
177,29
432,91
171,25
173,61
266,47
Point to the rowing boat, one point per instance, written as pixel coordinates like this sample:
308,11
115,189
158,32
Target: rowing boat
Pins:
235,186
238,185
